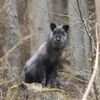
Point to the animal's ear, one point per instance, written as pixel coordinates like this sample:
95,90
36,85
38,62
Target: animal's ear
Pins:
52,26
66,27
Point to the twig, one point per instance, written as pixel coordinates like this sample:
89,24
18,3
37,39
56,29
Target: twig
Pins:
15,46
92,44
95,67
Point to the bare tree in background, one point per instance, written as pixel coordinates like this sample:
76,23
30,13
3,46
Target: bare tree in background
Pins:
55,5
38,23
57,11
13,60
79,40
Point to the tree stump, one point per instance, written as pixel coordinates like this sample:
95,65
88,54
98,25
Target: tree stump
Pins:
34,91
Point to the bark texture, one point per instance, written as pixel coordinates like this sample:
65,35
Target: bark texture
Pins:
13,60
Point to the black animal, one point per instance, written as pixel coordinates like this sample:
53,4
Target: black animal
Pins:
42,66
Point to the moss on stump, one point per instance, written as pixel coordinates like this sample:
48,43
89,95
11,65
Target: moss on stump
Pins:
35,91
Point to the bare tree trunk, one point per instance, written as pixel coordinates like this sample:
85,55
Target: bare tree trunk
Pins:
97,3
79,40
13,60
50,9
57,7
38,23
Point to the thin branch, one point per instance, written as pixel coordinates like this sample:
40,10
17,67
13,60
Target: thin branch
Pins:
95,68
74,7
92,44
15,46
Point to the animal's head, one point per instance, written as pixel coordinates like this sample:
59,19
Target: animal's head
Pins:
58,36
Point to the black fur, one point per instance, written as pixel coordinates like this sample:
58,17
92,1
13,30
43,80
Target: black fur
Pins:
42,66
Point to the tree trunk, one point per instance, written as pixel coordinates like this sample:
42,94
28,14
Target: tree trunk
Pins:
57,7
79,40
38,23
13,60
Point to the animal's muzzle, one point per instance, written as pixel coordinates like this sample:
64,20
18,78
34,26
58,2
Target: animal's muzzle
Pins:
58,39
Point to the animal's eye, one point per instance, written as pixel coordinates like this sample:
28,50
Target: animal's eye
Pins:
63,33
54,32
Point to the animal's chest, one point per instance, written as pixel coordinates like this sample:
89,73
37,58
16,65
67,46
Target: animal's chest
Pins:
51,64
52,60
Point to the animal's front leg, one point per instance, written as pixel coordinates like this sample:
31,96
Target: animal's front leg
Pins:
52,82
47,80
43,82
42,74
52,77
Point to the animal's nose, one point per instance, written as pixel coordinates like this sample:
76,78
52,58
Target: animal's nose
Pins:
58,39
